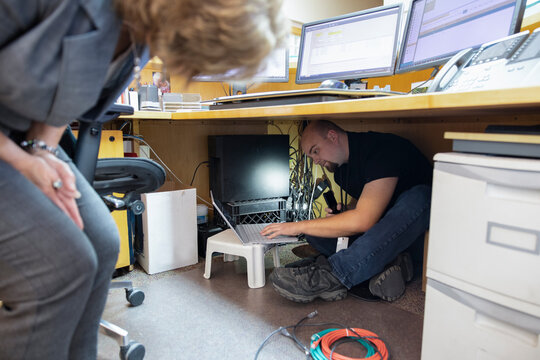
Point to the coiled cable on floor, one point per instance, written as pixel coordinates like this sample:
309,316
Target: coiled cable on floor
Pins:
323,344
284,331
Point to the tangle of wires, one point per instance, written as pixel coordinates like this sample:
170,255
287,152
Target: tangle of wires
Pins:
324,343
301,185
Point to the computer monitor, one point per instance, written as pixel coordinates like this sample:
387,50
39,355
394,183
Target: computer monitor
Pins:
248,167
437,29
352,46
275,69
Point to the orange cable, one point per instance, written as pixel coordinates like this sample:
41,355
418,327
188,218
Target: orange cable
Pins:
329,339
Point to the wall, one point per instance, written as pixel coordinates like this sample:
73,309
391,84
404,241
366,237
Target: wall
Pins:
210,90
310,10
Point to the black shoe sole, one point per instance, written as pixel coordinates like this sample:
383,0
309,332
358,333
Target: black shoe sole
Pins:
362,292
404,261
389,285
301,263
335,295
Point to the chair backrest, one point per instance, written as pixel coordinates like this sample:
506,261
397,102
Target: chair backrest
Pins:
87,146
129,176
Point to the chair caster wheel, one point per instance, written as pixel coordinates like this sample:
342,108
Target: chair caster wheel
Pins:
137,207
132,351
134,296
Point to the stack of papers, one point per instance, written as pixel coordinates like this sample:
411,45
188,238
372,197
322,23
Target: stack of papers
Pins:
175,106
150,106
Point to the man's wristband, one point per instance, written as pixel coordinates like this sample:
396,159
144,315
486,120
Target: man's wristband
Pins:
35,144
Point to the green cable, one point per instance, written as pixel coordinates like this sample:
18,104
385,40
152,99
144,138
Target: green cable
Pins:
317,353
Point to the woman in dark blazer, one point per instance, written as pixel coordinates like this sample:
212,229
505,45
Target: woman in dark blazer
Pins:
63,60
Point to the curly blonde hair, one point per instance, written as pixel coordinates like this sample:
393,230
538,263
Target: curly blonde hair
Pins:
195,37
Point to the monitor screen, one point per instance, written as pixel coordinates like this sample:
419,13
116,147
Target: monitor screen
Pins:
353,46
274,69
437,29
248,167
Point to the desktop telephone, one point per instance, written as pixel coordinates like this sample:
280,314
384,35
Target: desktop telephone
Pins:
513,61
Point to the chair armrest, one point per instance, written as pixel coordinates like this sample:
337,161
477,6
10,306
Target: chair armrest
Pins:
127,175
114,112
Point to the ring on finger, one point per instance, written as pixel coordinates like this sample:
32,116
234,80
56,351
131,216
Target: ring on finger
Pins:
57,184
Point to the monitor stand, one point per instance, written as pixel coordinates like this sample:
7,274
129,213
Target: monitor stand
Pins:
356,84
239,88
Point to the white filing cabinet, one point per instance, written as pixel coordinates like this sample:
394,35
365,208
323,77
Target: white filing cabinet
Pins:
483,267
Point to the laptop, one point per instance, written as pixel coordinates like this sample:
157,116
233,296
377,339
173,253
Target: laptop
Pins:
249,233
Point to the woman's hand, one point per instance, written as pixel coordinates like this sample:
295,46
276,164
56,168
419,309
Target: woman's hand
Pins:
51,175
55,179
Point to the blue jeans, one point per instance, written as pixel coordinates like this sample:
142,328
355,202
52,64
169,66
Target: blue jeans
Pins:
401,228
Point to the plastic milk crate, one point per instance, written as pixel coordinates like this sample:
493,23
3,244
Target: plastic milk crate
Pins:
257,211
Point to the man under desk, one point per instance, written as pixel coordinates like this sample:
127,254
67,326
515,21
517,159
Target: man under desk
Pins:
391,181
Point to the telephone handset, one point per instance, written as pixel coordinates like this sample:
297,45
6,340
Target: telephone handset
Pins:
492,66
450,69
331,201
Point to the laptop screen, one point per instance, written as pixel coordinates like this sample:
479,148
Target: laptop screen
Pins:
228,219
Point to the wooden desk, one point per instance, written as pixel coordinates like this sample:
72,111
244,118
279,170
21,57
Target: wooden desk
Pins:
180,138
407,106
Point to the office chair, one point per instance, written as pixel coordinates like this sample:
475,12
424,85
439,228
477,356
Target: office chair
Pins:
128,176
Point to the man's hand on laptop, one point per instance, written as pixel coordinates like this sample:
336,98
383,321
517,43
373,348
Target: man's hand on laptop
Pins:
286,228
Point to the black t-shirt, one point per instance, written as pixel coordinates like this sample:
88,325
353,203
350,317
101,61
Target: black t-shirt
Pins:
374,155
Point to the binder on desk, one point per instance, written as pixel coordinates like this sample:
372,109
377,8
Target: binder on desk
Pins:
520,145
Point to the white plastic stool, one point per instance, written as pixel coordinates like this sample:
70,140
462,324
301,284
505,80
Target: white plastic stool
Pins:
227,242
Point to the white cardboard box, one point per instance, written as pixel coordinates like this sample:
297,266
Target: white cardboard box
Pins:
170,230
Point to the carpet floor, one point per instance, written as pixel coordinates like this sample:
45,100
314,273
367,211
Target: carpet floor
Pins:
185,316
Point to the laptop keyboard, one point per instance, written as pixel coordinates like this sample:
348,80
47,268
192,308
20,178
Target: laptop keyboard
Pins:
252,231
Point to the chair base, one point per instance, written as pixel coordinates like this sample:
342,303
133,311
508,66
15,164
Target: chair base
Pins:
133,295
129,349
227,242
